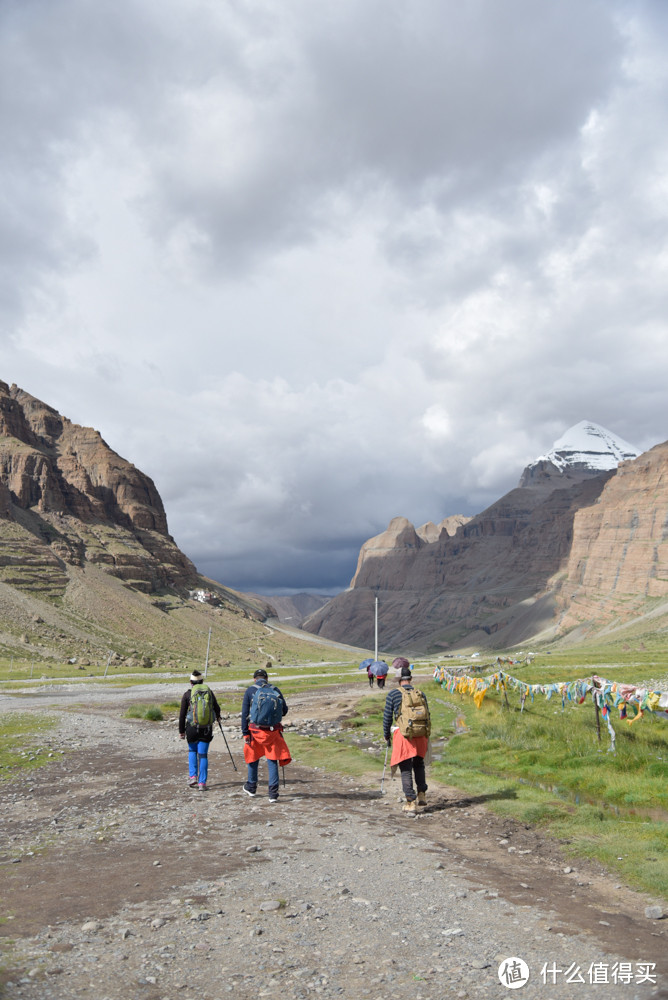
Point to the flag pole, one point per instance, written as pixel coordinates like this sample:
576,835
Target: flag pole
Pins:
376,633
208,644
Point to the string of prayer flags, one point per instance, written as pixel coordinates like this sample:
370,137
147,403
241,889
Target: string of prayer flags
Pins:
631,700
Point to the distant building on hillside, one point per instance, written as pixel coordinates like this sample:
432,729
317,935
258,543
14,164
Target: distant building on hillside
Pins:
204,597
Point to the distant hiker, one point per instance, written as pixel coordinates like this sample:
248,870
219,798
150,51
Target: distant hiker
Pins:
381,672
199,711
410,738
398,663
377,669
261,713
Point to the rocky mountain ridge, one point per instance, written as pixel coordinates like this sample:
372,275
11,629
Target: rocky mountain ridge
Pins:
618,560
87,562
400,536
75,501
572,550
86,558
292,609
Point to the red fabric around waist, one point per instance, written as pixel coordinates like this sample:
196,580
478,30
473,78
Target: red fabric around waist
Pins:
403,748
267,743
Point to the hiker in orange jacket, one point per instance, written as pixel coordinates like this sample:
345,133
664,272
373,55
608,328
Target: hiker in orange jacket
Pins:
408,751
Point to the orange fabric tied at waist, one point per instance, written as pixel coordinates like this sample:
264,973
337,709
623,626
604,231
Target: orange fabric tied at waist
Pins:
267,743
403,748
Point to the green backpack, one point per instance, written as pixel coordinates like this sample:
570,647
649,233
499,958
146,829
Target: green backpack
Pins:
413,718
201,713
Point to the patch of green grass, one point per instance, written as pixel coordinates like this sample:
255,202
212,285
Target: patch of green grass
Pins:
135,712
230,701
21,742
27,673
153,713
559,749
300,685
543,766
169,707
329,754
611,807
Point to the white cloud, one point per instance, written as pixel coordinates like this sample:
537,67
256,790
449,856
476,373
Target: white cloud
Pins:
436,421
311,267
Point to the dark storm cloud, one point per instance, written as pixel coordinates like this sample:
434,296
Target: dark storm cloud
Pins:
430,103
314,266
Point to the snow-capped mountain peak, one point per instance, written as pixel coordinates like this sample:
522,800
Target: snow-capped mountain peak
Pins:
591,445
585,449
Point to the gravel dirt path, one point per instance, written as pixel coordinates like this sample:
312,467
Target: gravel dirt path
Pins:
119,881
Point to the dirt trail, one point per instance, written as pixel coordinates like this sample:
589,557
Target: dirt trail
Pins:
120,881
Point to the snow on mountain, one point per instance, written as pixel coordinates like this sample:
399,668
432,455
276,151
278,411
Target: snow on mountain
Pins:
590,445
585,448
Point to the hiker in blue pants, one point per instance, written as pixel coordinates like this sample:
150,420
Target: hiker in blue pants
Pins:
262,710
198,736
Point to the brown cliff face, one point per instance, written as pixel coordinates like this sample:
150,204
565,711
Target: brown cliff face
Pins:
385,560
380,556
55,466
87,566
492,582
431,532
73,500
619,555
588,559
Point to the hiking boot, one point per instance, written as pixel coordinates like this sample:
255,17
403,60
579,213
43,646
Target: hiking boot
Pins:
192,780
410,806
422,798
202,786
273,796
248,789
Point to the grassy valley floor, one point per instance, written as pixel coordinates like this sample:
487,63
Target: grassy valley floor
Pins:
527,809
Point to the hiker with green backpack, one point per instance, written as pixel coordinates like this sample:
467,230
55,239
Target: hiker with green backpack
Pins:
409,738
262,710
199,711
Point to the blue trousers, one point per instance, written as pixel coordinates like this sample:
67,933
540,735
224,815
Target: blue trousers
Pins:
198,749
272,767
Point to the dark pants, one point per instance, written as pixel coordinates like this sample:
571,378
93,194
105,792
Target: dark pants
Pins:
370,676
407,767
272,768
381,681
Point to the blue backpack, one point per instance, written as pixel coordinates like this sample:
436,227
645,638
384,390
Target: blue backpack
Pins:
266,707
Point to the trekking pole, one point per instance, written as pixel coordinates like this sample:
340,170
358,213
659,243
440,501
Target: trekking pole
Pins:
384,767
283,770
228,747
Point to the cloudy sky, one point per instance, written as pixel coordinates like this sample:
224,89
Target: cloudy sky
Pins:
314,265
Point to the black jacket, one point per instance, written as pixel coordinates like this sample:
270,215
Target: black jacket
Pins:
195,733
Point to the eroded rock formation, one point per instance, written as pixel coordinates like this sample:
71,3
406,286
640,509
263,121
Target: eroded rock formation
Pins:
618,560
67,498
575,549
490,577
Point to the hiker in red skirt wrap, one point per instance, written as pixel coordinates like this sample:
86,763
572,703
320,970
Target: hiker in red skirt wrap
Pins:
410,737
261,713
